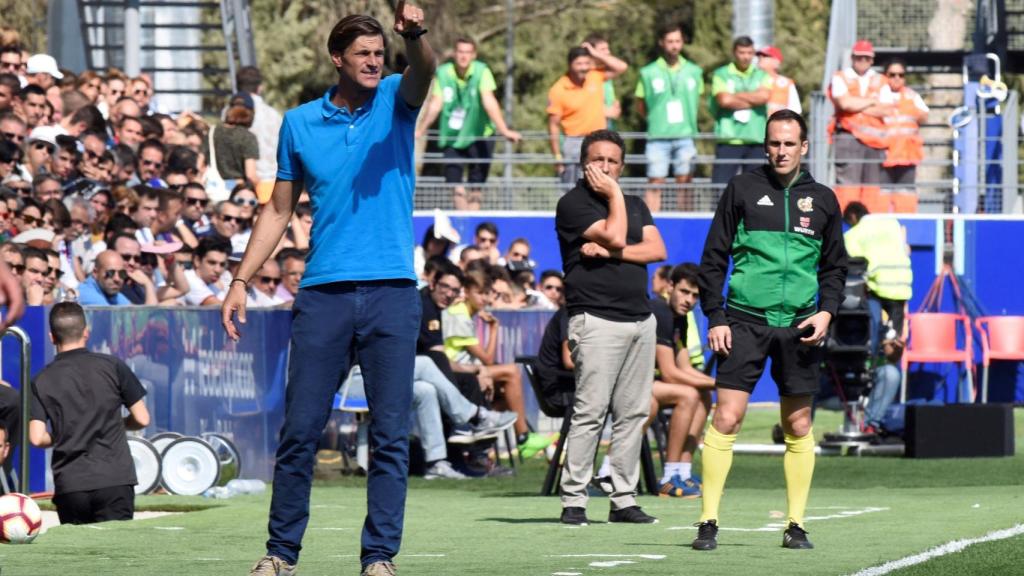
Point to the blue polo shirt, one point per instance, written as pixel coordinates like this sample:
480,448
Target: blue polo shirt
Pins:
90,294
358,169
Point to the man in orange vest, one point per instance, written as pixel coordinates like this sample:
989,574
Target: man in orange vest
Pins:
859,125
783,90
906,147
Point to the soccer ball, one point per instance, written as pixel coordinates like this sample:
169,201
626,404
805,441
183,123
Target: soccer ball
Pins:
20,519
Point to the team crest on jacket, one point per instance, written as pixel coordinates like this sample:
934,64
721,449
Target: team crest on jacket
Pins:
805,204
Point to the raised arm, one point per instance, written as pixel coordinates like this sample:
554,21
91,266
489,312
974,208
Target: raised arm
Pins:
422,64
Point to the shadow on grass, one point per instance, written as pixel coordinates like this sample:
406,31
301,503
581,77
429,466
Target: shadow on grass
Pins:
553,519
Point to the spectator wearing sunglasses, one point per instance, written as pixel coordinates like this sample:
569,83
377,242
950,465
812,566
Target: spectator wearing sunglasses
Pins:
14,258
42,144
244,197
30,217
263,286
138,287
150,167
227,221
193,213
103,288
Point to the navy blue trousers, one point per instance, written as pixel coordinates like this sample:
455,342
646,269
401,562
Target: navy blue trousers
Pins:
378,322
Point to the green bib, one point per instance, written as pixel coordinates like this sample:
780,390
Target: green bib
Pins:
463,118
739,126
671,98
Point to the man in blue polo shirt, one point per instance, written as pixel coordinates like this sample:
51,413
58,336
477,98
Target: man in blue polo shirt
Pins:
103,288
353,151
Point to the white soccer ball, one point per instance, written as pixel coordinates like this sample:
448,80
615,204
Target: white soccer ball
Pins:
20,519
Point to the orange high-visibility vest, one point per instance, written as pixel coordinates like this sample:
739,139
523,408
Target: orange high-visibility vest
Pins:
869,130
906,147
779,99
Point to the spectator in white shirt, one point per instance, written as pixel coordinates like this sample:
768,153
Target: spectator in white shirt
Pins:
206,285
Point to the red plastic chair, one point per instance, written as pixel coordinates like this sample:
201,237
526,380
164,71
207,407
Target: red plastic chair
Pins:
1002,338
932,338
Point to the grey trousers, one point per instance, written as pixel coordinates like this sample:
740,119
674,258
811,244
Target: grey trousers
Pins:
614,369
857,164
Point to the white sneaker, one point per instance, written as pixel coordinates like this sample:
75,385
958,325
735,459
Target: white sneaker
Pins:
443,469
494,422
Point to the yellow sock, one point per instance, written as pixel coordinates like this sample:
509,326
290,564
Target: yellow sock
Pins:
716,461
799,466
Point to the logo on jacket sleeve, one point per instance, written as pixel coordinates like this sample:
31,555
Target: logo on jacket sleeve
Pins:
805,204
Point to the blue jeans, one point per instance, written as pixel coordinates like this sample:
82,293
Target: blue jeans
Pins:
883,392
662,153
432,394
379,321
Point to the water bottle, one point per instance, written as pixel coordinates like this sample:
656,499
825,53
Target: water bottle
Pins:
219,492
244,486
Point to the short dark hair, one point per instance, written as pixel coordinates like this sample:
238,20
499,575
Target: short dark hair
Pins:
151,127
742,42
29,252
212,244
248,79
786,115
67,322
601,136
442,266
9,151
152,143
112,243
351,27
465,40
686,271
32,89
551,273
577,52
664,272
486,227
670,27
893,62
11,81
290,254
181,160
854,210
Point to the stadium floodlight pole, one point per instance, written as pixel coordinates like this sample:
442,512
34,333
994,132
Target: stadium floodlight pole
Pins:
132,45
510,64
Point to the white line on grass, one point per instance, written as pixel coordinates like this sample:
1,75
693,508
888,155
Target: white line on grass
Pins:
567,574
611,563
644,556
941,550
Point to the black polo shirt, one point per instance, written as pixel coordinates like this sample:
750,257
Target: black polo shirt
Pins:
81,394
605,287
430,324
671,329
556,332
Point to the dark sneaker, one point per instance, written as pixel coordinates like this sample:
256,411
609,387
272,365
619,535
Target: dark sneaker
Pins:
575,515
272,566
795,538
631,515
707,536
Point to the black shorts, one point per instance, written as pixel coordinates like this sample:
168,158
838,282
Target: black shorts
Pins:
479,150
100,505
795,366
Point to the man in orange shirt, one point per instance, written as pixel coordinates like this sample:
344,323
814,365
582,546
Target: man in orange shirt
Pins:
576,105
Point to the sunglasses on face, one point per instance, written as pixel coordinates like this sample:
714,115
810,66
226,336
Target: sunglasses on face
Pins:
132,258
275,280
153,163
895,74
9,65
32,220
122,274
42,146
17,268
203,202
244,201
236,219
13,136
139,91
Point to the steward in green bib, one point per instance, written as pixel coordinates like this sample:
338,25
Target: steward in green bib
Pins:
463,97
668,94
739,97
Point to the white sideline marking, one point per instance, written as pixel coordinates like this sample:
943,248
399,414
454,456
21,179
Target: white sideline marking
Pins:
169,527
941,550
567,574
644,556
611,564
775,526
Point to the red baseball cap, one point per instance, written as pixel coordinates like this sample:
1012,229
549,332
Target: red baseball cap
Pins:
863,48
771,51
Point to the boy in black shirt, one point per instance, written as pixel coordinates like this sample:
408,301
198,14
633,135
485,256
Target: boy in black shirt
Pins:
81,394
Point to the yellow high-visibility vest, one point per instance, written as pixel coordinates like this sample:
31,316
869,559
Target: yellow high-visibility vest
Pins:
882,242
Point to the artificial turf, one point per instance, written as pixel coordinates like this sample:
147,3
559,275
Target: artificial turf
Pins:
863,512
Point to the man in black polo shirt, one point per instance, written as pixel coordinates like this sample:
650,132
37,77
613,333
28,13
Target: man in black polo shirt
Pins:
81,394
606,240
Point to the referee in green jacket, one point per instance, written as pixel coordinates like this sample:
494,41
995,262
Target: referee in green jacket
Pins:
783,232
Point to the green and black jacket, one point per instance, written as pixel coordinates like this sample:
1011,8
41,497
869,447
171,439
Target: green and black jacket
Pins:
786,246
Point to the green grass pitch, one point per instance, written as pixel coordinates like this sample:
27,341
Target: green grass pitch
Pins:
863,512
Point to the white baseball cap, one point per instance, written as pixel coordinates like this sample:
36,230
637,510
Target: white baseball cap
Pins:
43,63
46,134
